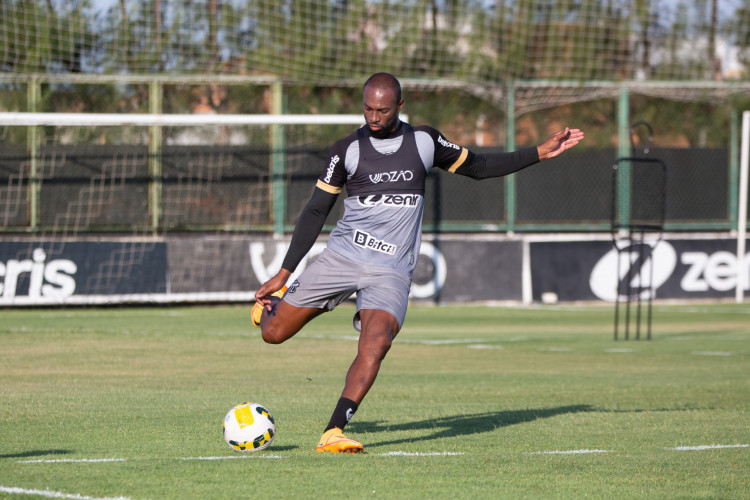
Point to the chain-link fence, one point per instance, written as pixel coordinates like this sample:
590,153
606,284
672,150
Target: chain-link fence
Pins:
95,188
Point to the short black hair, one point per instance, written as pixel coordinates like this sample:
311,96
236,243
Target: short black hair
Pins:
385,81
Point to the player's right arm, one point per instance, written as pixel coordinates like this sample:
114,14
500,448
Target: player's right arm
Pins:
309,225
310,222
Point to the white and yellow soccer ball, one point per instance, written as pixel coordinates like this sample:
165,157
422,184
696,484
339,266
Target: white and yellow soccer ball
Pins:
249,427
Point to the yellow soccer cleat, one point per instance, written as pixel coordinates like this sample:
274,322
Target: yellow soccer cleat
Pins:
334,441
257,311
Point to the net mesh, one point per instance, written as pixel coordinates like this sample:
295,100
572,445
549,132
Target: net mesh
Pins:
474,43
84,179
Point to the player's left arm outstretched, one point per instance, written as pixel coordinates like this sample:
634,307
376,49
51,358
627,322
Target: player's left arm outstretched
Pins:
488,165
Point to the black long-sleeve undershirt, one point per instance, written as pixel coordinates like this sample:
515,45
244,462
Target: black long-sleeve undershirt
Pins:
488,165
309,224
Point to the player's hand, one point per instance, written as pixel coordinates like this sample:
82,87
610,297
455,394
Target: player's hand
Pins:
263,295
559,142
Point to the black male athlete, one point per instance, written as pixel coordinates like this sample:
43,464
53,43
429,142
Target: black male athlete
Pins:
374,248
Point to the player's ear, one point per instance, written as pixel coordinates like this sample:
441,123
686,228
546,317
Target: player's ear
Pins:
400,104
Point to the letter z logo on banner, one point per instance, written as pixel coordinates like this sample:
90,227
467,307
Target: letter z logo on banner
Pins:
658,265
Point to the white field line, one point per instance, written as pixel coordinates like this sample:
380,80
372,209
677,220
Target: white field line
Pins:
658,308
709,447
71,460
100,460
444,341
699,310
562,308
332,337
53,494
406,341
419,454
711,353
569,452
232,457
693,337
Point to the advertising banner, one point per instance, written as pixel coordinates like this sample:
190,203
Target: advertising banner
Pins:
80,272
677,269
230,268
216,268
447,270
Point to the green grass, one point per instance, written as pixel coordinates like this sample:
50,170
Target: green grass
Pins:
469,404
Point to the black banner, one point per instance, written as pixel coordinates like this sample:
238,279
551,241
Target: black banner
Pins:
447,270
682,269
211,268
51,272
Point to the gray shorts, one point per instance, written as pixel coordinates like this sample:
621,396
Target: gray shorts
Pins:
332,278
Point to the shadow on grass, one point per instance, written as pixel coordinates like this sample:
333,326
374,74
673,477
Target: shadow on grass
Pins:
461,425
36,453
283,448
477,423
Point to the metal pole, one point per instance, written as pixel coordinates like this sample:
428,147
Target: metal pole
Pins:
651,287
623,151
628,285
510,145
154,156
618,285
34,92
639,288
734,168
278,159
742,209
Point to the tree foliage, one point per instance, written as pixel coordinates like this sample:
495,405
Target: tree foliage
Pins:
335,40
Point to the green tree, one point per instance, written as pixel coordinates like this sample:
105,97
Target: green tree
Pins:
739,29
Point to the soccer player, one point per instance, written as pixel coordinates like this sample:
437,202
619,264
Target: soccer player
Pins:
374,248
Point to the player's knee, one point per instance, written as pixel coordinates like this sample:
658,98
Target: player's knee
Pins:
272,334
379,345
385,346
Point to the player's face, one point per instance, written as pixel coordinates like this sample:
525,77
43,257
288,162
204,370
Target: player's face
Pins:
381,108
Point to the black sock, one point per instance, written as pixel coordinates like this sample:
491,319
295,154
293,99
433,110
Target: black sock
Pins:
345,408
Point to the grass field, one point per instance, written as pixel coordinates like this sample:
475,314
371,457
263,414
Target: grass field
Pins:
471,402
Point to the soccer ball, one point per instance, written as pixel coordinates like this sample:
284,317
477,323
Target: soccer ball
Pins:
249,427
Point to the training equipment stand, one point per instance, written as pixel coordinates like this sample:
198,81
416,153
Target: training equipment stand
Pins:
638,209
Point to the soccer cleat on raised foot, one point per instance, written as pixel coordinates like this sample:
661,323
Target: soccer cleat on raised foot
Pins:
333,440
257,310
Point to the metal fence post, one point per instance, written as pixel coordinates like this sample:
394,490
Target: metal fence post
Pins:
734,169
510,145
154,155
278,159
34,93
623,151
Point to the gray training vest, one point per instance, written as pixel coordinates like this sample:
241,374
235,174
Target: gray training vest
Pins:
382,222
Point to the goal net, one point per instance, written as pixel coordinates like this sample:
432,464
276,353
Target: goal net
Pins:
161,172
478,45
129,183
